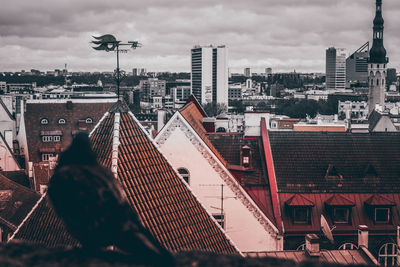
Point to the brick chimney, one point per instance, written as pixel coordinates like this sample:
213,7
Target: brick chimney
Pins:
363,236
209,124
312,245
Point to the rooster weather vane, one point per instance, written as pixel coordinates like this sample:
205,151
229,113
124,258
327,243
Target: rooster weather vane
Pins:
109,43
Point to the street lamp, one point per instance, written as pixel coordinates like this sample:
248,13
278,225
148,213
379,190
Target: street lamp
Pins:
109,43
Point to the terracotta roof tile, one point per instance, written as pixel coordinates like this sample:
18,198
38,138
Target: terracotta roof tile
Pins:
194,117
43,226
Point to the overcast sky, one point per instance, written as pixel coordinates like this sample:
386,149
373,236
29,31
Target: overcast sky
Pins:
285,35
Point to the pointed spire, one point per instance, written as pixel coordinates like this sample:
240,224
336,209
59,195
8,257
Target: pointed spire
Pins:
377,54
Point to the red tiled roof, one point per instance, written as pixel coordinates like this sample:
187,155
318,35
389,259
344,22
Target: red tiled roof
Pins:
194,116
379,200
43,226
163,202
15,201
299,200
339,200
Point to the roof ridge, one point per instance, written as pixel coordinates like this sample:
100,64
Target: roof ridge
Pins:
193,100
27,216
115,144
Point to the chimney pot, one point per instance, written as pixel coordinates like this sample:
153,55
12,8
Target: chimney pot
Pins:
363,236
312,245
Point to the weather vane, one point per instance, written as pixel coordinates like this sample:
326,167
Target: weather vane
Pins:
109,43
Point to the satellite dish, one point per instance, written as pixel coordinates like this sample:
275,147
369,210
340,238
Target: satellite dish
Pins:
326,229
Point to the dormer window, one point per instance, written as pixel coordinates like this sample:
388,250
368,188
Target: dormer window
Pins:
61,121
89,120
382,215
44,121
380,208
299,209
246,156
339,208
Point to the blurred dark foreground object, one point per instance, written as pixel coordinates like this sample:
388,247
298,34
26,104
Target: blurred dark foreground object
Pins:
95,210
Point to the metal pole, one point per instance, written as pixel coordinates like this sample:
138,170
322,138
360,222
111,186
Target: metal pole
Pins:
118,71
222,206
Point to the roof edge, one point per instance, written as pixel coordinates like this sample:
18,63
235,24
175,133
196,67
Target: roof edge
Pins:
193,99
115,145
27,217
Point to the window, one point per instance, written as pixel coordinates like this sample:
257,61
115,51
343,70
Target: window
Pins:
382,215
61,121
47,138
341,215
220,218
46,156
89,120
347,246
388,255
44,121
301,215
56,138
185,174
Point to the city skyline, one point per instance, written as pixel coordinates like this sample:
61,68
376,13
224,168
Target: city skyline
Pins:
285,35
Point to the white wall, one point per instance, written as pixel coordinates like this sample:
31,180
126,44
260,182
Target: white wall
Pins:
206,75
222,75
241,225
7,161
252,122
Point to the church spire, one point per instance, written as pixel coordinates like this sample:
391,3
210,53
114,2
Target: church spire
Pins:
377,54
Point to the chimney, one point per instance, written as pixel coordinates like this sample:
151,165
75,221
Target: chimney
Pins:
312,245
209,124
363,236
246,156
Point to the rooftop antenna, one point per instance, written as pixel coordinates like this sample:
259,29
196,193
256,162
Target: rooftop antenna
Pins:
109,43
326,229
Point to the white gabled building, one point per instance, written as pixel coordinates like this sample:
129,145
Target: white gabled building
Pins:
183,142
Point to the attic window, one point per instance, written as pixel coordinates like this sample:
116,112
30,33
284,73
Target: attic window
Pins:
341,215
61,121
44,121
301,215
89,120
382,215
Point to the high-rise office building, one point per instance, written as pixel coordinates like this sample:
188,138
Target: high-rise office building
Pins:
209,76
247,72
357,65
377,62
336,68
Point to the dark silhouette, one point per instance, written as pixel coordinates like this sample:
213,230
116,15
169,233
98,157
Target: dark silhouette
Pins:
95,209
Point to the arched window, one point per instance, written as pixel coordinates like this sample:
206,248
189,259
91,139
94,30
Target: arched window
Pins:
89,120
185,174
388,254
44,121
347,246
61,121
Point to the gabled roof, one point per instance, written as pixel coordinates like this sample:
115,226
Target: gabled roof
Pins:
194,115
301,160
379,200
339,200
160,197
298,200
162,201
15,202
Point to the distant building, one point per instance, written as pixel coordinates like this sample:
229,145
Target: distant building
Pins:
268,71
209,76
247,72
353,109
152,87
391,77
3,87
357,65
335,68
235,92
377,63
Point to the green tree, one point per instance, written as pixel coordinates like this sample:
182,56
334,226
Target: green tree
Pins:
214,109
